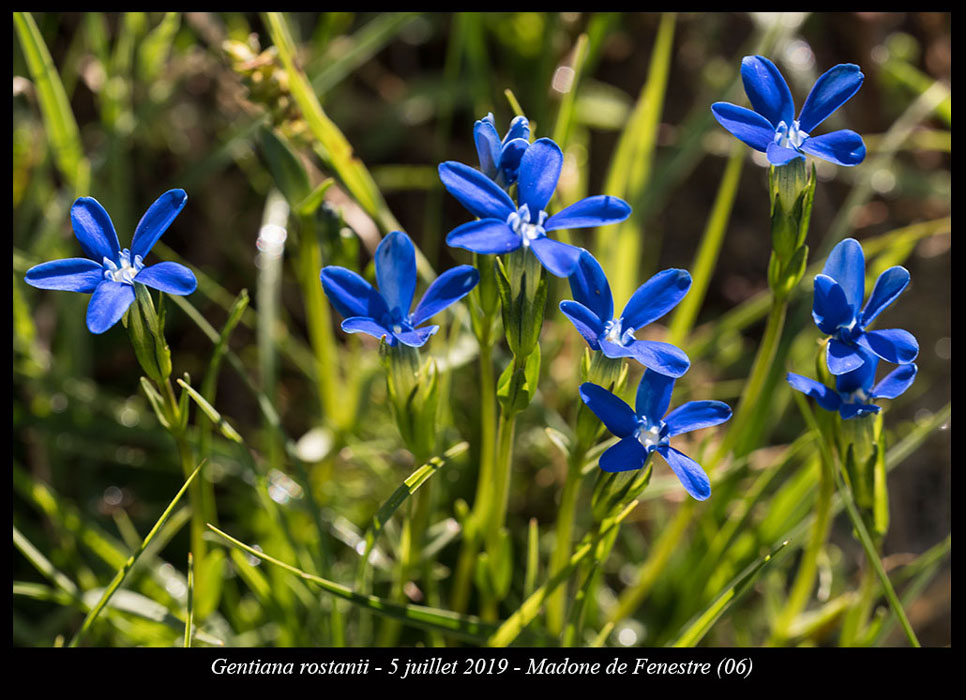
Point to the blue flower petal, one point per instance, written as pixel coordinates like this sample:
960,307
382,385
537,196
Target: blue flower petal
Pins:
653,396
626,455
767,90
170,277
688,472
479,194
896,382
589,286
539,172
350,294
612,411
893,345
656,297
746,126
695,415
156,221
584,320
842,358
559,258
844,147
395,260
854,410
827,397
859,378
830,307
417,337
447,289
510,158
833,89
364,324
519,129
94,230
846,265
107,305
779,155
598,210
663,358
487,145
486,236
69,274
888,287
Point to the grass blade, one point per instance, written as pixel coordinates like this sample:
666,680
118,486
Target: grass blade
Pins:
191,596
704,621
464,627
129,564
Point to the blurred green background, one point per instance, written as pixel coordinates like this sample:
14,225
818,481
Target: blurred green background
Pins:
160,103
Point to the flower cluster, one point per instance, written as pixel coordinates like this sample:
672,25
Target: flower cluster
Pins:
853,352
385,313
504,226
772,128
109,272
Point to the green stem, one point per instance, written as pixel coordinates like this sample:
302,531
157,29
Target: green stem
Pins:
467,557
756,380
807,569
564,537
501,474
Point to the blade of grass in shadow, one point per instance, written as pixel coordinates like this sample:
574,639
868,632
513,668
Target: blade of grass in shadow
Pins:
703,622
42,564
129,564
463,627
619,246
58,118
190,606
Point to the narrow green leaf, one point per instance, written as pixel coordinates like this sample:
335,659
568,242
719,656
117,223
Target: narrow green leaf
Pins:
129,564
464,627
54,106
700,625
216,418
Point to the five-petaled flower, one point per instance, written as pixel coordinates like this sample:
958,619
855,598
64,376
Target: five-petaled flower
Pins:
503,227
645,431
108,271
592,312
836,304
385,314
854,391
500,160
772,127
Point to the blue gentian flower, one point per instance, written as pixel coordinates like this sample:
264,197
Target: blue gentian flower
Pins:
645,431
839,291
854,392
592,313
385,314
108,271
503,227
772,127
500,160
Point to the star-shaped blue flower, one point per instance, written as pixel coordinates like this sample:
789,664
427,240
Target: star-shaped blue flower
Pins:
500,160
108,271
836,304
645,431
503,227
854,391
772,127
592,312
385,314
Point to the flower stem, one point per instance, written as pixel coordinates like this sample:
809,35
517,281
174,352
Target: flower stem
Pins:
564,537
467,557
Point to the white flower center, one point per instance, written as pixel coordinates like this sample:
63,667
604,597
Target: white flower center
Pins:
519,222
616,333
790,136
650,437
126,272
